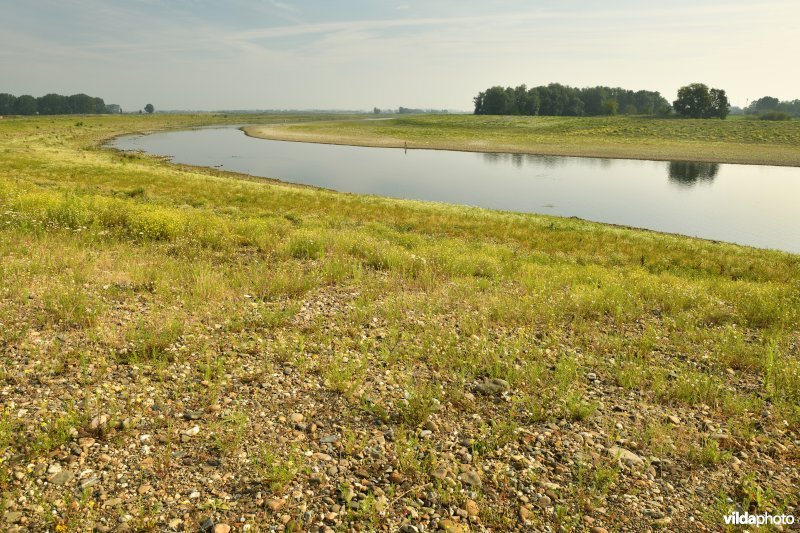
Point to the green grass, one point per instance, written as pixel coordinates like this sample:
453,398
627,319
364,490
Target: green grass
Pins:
126,260
736,140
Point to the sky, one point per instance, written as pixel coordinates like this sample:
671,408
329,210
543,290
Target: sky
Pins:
360,54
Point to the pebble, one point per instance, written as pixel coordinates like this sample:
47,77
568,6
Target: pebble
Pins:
62,477
276,504
492,387
662,522
222,528
440,472
470,477
86,483
98,422
626,457
296,418
431,426
451,526
12,517
525,513
544,501
471,507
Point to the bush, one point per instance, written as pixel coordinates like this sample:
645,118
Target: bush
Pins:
775,115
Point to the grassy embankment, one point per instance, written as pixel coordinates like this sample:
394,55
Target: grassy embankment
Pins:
736,140
132,291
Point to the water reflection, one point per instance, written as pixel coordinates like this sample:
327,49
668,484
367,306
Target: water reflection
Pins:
544,161
689,173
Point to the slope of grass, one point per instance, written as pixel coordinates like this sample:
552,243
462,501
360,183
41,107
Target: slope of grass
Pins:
736,140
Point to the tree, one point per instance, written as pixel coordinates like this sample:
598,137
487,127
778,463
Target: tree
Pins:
7,102
53,104
149,108
720,107
693,100
25,105
82,103
495,101
698,101
765,103
610,106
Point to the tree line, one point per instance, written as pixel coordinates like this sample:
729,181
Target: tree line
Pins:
771,108
562,100
51,104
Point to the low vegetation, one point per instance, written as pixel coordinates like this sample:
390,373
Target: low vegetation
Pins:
736,140
183,346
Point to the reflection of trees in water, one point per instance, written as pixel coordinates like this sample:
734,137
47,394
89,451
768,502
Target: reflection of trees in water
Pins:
519,160
491,157
546,161
689,173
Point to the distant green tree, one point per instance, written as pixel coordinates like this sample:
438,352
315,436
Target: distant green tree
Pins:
99,106
85,104
495,101
768,104
478,102
693,100
376,111
149,108
531,102
7,102
610,106
53,104
720,107
25,105
698,101
764,104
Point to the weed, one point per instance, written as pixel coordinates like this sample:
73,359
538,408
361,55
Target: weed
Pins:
709,453
277,471
229,433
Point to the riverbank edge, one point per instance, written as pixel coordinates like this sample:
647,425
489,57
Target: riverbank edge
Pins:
105,143
612,151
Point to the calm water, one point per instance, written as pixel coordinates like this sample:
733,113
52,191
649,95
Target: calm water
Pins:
746,204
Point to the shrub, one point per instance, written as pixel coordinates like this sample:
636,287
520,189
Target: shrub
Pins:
775,115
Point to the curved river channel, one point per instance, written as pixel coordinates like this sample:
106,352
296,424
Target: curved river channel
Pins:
745,204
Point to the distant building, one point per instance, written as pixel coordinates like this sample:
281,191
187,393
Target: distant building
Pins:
114,109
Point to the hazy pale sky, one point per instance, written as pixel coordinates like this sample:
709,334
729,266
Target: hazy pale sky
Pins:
270,54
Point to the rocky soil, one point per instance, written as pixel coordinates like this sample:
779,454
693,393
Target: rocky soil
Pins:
272,447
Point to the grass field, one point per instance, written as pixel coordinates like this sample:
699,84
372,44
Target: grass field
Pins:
736,140
180,345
